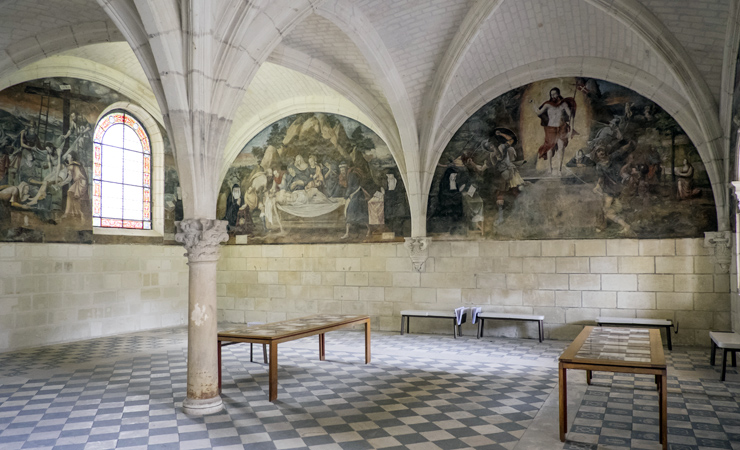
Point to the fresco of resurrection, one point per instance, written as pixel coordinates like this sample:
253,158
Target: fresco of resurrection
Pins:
314,177
570,158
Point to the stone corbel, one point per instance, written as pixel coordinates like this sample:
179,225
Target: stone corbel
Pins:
418,248
721,241
201,238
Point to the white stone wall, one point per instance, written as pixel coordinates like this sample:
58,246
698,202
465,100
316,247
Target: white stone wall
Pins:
571,282
52,293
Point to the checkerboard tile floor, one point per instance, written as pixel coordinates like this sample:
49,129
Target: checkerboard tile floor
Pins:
419,392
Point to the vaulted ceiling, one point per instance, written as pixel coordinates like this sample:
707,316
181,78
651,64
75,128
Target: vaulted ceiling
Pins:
420,67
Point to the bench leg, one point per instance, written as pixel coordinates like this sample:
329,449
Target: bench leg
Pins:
724,364
402,319
711,355
478,333
588,377
454,328
668,337
251,352
480,329
541,329
734,360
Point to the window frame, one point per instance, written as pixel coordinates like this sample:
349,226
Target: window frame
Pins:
153,131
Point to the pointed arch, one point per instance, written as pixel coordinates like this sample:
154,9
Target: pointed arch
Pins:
466,34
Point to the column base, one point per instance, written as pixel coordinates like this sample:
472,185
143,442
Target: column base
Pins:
202,407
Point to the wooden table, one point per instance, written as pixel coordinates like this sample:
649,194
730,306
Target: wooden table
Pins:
275,333
627,350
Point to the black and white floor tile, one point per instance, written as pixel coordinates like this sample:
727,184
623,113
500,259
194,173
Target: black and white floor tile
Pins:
419,392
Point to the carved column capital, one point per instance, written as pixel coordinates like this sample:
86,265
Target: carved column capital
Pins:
721,241
418,248
201,238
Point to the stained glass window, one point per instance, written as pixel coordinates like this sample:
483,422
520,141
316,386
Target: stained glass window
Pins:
122,161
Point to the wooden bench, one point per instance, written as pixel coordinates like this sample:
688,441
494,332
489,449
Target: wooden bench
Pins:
633,322
456,327
482,316
728,342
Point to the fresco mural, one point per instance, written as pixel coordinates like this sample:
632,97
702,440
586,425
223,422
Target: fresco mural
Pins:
570,158
312,178
734,130
46,128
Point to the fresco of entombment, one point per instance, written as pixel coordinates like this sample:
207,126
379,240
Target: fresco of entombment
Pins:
314,177
46,128
570,158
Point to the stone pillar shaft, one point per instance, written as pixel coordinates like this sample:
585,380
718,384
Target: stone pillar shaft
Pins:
201,238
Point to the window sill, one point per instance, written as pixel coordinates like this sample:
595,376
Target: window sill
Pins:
126,232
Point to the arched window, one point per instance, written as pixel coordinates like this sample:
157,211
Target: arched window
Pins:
121,173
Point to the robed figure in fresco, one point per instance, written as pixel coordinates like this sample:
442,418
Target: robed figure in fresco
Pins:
556,116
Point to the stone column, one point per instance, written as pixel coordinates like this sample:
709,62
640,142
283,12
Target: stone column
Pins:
201,238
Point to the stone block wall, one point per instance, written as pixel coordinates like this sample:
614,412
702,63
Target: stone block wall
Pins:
52,293
571,282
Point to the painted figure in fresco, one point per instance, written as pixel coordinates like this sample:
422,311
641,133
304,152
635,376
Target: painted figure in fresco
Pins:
449,199
685,181
317,176
6,149
78,198
78,134
580,160
473,206
355,209
297,179
237,211
556,116
609,188
394,203
504,167
331,180
270,215
15,194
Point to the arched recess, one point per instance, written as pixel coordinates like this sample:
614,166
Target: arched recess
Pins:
465,36
156,140
240,137
641,82
364,101
142,105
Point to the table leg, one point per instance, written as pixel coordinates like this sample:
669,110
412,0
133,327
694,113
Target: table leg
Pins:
219,367
272,374
322,347
588,377
663,406
668,337
367,342
563,387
